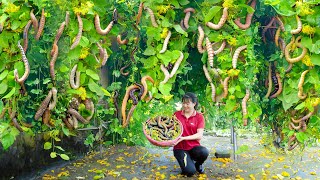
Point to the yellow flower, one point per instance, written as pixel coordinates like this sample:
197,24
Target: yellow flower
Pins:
307,60
82,93
11,8
84,53
307,29
304,8
164,33
233,72
228,3
232,41
162,9
84,8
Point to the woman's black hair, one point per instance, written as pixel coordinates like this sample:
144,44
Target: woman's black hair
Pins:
191,96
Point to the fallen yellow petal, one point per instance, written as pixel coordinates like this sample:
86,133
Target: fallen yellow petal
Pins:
285,174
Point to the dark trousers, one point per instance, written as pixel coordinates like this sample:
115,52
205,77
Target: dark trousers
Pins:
187,159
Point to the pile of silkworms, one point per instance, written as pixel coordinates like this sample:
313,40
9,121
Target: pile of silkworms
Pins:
162,128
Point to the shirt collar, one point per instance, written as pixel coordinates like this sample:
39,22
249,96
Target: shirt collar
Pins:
193,114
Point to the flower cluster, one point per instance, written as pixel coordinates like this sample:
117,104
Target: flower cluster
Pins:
84,8
11,8
307,29
307,60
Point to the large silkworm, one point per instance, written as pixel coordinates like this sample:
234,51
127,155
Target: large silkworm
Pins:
139,13
124,102
176,65
152,17
25,36
53,61
144,84
16,124
78,37
34,21
41,25
182,25
244,107
43,106
221,48
74,78
282,44
291,140
280,23
166,74
91,108
276,37
213,92
165,43
46,117
279,87
289,68
304,118
200,40
299,26
59,32
141,88
53,103
270,82
225,87
120,41
210,52
103,54
123,68
248,18
98,27
221,22
187,17
115,16
266,28
76,114
149,97
302,95
236,55
133,97
130,113
74,122
206,73
67,18
26,66
298,44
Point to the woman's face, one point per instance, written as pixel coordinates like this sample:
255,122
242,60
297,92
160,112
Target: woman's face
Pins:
188,105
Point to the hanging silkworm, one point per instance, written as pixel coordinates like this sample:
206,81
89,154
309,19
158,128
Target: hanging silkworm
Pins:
144,84
98,27
149,98
279,88
276,37
165,43
248,18
59,32
166,74
41,25
123,68
182,26
130,113
122,42
213,92
225,87
124,102
141,90
43,106
187,17
16,124
76,114
299,26
133,97
74,78
270,82
91,108
302,95
280,23
221,48
115,16
298,44
282,44
25,36
206,73
53,103
200,40
34,21
53,61
221,22
236,55
291,140
74,122
103,54
176,65
78,37
67,122
26,66
304,118
152,17
210,52
289,68
139,13
46,117
244,107
265,29
67,18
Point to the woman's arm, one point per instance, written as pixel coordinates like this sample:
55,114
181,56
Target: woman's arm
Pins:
196,136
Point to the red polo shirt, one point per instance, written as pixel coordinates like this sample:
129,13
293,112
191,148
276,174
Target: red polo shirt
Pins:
190,126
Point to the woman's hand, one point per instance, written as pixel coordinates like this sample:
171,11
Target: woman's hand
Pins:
179,140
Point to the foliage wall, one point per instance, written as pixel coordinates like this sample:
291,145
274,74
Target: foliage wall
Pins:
109,62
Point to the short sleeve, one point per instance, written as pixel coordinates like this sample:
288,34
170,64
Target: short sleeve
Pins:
201,123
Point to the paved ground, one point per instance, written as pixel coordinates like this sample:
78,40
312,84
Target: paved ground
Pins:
256,161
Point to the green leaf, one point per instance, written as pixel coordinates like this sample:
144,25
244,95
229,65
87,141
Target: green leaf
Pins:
64,68
15,24
149,51
300,106
65,131
165,88
315,59
150,62
94,87
87,25
211,13
7,140
183,2
3,88
306,42
3,74
64,157
84,42
59,147
93,74
106,93
46,80
36,91
53,155
13,90
230,104
47,145
180,30
165,22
